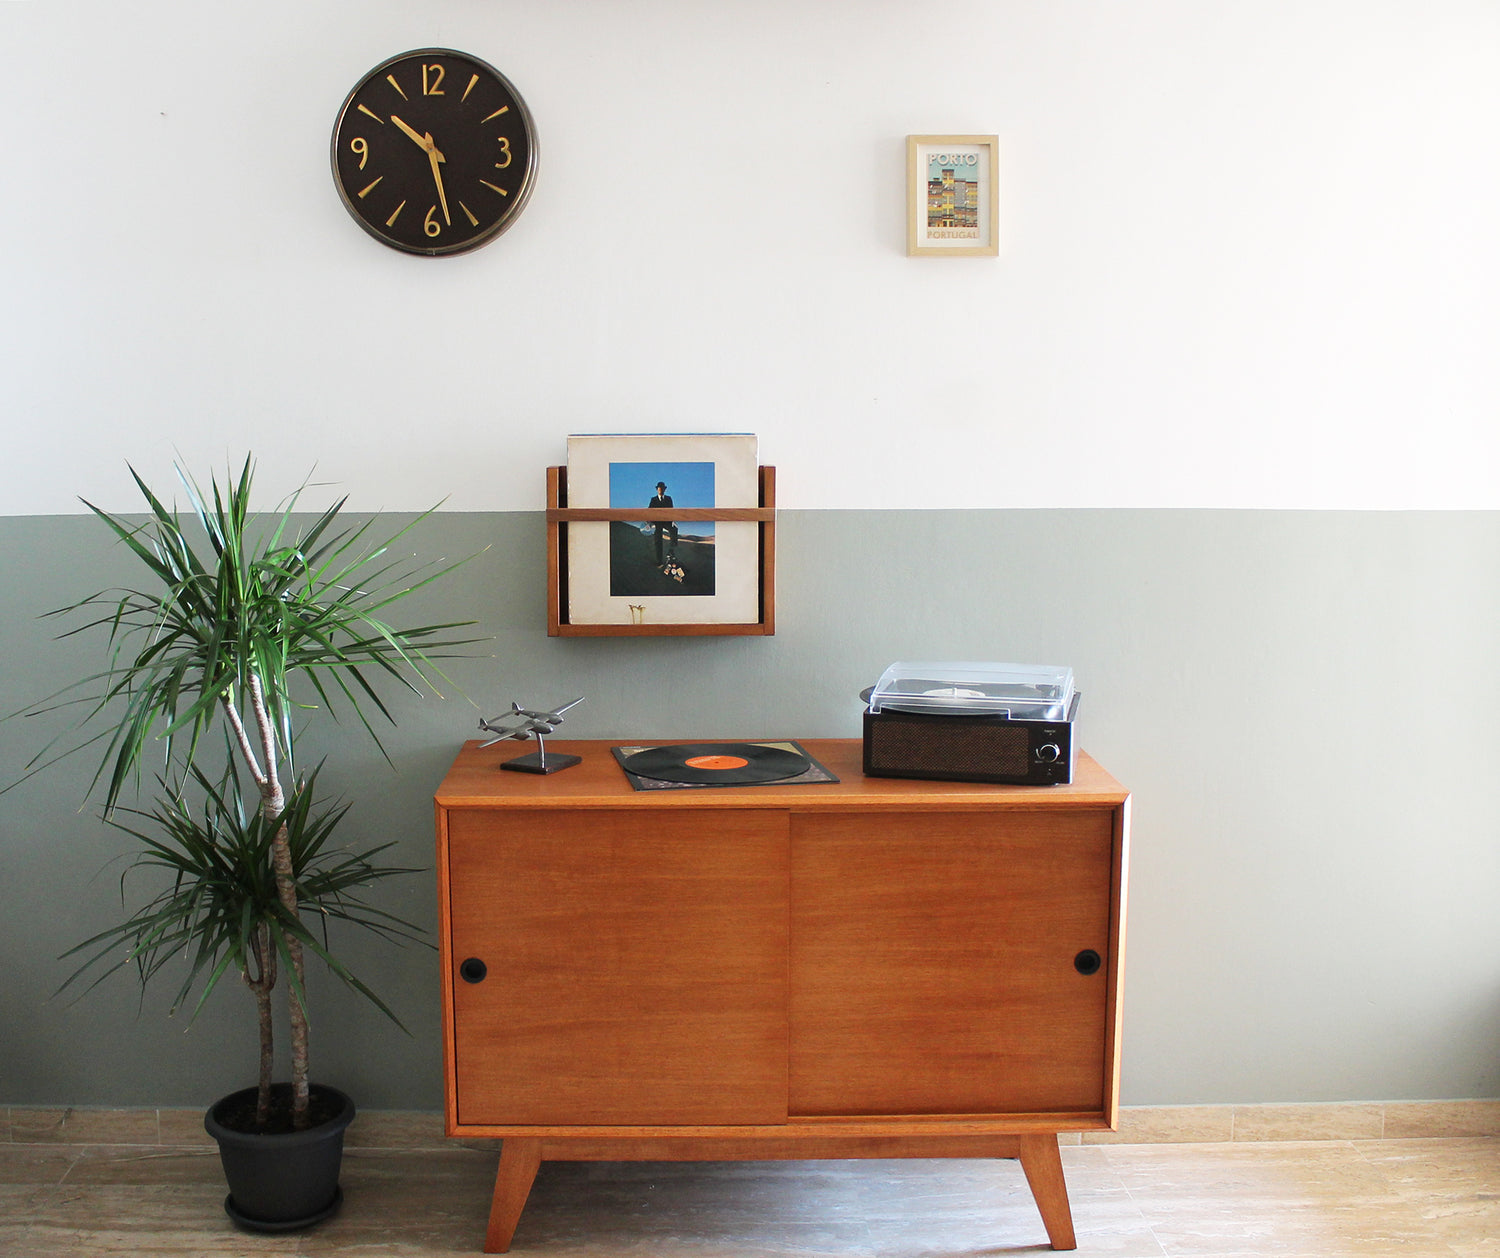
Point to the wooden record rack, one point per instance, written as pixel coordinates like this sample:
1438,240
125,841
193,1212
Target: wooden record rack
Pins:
559,515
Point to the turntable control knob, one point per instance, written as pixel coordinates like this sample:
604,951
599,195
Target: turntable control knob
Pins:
1047,753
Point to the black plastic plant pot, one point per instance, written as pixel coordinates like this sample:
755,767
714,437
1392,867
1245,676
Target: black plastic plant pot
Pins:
282,1181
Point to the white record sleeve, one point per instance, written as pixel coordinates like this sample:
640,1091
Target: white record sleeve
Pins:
622,573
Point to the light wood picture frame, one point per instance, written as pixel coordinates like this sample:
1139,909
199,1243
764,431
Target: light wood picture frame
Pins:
952,196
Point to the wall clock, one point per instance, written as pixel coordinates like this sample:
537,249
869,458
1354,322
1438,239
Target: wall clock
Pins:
434,152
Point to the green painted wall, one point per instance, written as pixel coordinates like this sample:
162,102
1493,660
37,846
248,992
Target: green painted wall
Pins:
1301,701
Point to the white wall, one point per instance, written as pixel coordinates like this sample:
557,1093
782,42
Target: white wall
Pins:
1249,251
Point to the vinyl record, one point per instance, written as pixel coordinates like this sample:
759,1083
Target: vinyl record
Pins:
716,764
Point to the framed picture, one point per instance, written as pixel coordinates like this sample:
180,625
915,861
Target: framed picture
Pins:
651,571
952,196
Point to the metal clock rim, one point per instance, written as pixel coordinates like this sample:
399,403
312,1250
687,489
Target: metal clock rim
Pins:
528,179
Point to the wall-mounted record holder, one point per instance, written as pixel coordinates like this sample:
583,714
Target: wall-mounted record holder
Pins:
651,618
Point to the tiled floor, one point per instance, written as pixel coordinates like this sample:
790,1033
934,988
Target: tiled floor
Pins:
1316,1199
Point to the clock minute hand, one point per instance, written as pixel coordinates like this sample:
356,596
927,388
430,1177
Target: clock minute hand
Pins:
437,177
429,146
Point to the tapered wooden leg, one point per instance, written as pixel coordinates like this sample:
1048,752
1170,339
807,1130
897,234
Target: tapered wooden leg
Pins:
1043,1166
519,1159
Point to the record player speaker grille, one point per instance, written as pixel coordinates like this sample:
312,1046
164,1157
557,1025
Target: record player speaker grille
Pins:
948,748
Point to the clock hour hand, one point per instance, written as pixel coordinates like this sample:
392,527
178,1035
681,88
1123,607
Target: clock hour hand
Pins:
423,142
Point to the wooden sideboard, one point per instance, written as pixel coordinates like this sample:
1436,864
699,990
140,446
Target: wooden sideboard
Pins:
869,968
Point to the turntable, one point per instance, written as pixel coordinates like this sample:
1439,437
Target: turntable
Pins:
972,722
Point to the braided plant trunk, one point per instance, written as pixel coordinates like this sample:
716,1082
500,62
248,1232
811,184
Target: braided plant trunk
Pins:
261,981
264,769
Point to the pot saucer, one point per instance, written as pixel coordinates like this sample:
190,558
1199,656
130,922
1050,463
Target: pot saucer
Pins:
285,1225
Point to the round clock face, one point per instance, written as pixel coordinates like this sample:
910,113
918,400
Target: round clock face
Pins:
434,152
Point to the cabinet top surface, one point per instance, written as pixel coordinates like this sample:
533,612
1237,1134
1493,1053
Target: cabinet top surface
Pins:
476,781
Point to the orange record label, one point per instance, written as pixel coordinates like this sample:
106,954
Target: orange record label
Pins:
716,762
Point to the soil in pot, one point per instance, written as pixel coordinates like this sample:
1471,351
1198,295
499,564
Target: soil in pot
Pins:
237,1111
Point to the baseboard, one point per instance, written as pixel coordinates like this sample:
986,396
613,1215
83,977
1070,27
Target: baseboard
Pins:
1147,1124
371,1129
1345,1120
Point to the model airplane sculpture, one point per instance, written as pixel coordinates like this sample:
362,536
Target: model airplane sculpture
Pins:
523,723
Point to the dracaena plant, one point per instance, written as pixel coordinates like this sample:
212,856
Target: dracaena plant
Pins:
232,610
218,904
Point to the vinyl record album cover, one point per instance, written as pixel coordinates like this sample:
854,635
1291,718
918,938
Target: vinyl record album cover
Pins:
663,571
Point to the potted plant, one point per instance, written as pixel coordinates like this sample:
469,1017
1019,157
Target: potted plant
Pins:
235,611
219,907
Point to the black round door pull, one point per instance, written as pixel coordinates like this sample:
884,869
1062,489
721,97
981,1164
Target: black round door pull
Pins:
473,970
1087,962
